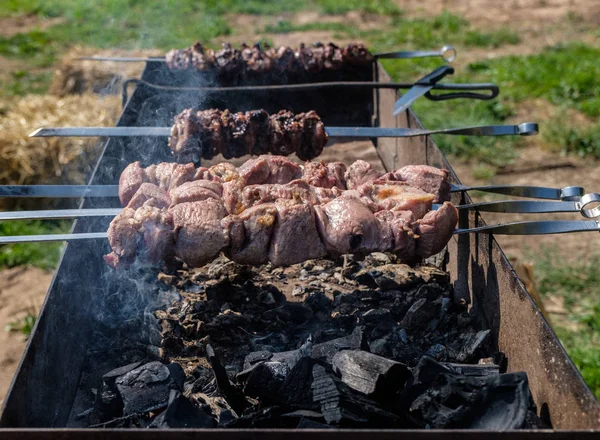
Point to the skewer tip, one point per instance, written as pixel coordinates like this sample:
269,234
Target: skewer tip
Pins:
36,133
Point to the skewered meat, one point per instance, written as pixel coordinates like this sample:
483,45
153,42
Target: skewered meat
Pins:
199,236
295,238
309,59
284,222
205,133
358,173
429,179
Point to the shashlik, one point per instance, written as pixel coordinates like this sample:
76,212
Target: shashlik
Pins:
272,210
249,60
206,133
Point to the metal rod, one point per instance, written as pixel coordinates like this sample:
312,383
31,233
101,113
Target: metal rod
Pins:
59,191
524,129
52,237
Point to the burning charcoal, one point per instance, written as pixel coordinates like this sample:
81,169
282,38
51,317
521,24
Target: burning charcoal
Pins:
326,350
440,398
109,404
233,395
147,388
342,406
474,341
181,413
420,314
372,375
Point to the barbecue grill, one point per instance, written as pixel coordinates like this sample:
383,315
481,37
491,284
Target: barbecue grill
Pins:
81,310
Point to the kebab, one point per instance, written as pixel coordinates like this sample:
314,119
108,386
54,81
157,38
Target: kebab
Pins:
270,209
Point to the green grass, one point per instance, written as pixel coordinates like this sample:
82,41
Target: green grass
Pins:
577,284
23,325
572,140
42,255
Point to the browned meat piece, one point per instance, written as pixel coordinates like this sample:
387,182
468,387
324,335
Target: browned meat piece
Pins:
347,226
223,172
357,55
130,181
311,58
259,61
232,195
315,136
325,175
149,191
195,57
196,191
258,129
358,173
228,59
295,238
285,59
146,232
430,179
297,190
234,133
250,234
184,131
397,234
435,230
333,57
199,236
169,175
398,196
245,52
269,169
287,133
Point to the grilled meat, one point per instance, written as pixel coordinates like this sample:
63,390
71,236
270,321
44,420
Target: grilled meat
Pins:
429,179
308,59
358,173
205,133
268,210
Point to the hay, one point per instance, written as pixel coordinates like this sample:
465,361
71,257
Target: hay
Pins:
76,77
25,160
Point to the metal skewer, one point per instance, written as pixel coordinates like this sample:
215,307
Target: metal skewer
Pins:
447,53
524,129
572,193
588,207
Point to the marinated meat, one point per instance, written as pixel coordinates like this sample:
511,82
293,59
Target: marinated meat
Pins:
348,226
325,175
250,234
435,230
196,57
196,191
259,61
397,233
398,196
359,173
227,60
429,179
315,136
149,191
287,133
199,236
357,55
130,181
269,169
295,238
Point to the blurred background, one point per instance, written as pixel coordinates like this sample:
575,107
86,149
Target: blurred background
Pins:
544,55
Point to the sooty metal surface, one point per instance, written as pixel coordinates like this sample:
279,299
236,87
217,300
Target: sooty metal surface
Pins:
87,303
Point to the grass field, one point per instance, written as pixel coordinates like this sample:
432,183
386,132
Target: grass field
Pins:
562,80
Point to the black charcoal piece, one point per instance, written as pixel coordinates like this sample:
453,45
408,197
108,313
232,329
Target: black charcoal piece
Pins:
296,391
181,413
109,404
474,369
232,394
441,398
420,314
372,375
471,345
311,424
326,350
145,388
264,381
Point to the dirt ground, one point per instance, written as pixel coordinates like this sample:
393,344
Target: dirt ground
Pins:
539,22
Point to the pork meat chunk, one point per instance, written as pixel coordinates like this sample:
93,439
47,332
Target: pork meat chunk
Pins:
149,191
348,226
358,173
199,236
295,237
427,178
196,191
250,234
397,233
435,230
130,181
398,196
325,175
269,169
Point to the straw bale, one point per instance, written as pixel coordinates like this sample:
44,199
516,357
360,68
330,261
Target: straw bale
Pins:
25,160
74,76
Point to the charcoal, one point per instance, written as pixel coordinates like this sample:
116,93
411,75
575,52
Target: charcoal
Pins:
342,406
109,404
202,377
289,312
311,424
420,314
441,398
265,379
472,344
234,396
296,391
146,388
372,375
326,350
181,413
474,369
256,357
